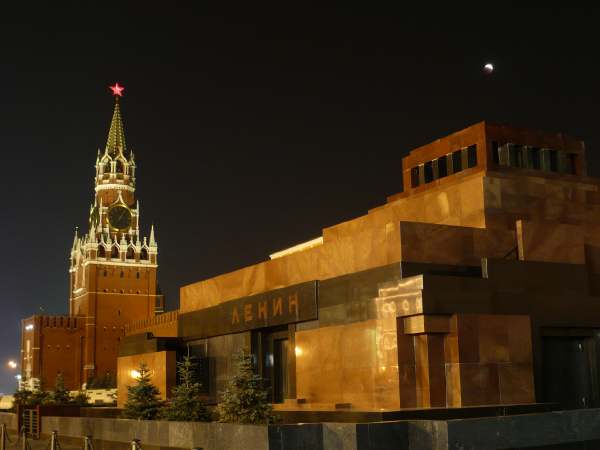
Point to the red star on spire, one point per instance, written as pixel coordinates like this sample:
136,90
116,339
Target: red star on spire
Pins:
117,90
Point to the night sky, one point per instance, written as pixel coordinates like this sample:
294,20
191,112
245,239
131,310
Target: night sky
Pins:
253,131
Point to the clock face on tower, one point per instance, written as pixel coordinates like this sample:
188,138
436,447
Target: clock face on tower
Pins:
119,217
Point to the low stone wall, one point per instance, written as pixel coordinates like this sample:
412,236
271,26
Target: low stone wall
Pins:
9,419
531,430
208,436
560,429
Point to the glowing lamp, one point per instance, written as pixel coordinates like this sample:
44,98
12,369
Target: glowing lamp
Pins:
298,351
135,374
12,364
29,327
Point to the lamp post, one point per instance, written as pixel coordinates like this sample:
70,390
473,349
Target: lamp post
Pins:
13,365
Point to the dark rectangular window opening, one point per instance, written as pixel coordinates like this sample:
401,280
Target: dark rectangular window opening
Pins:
572,163
442,164
456,161
553,161
280,369
515,155
503,155
472,155
545,159
414,176
428,172
535,161
495,153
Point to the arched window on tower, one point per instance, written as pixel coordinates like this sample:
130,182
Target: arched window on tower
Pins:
101,251
119,166
114,252
144,254
130,253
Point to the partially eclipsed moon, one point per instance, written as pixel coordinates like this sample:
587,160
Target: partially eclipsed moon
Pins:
488,68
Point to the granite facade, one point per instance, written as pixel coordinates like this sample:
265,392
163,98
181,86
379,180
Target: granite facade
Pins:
439,298
162,370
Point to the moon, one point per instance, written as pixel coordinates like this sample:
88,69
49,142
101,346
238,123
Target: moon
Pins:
488,68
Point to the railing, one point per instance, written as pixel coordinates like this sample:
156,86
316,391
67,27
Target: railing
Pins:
31,422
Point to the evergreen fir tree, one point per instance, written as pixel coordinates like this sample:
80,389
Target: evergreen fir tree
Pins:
27,397
81,398
245,400
186,404
40,397
142,398
23,397
91,383
109,381
60,395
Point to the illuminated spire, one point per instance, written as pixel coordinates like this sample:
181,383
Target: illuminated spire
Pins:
75,239
116,134
152,240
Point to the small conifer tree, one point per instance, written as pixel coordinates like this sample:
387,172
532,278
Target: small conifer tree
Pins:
143,402
60,395
245,400
81,398
186,404
40,397
26,397
23,397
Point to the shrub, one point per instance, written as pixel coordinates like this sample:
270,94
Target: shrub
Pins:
186,404
60,395
245,400
23,397
81,398
41,398
143,400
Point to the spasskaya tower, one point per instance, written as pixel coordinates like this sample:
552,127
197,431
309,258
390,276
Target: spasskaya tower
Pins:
112,273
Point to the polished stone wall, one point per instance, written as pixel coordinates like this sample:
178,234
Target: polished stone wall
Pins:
454,361
367,242
354,364
483,207
161,365
221,352
488,360
379,345
420,300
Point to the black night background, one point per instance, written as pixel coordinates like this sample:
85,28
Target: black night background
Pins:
253,131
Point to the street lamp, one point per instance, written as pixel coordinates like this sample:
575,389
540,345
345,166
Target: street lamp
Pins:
12,364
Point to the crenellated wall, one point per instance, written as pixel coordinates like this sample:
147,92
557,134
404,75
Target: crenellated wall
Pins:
161,325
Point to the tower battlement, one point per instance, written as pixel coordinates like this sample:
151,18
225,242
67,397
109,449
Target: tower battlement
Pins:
161,325
68,322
